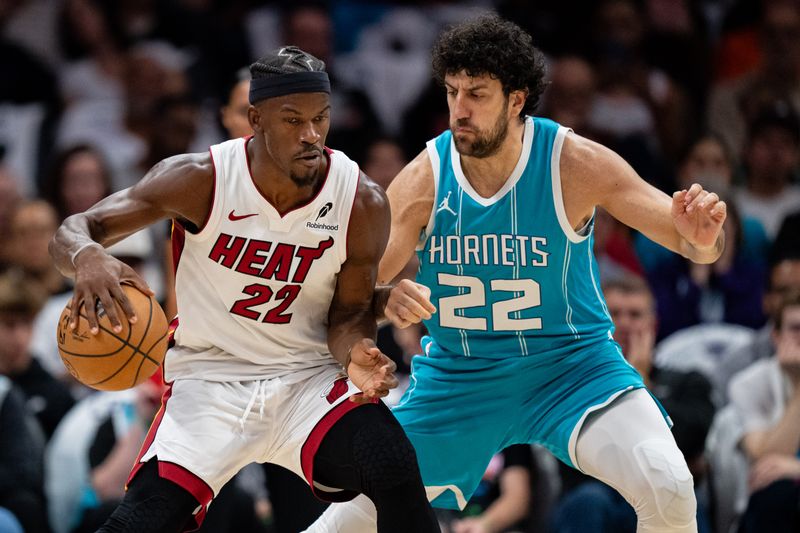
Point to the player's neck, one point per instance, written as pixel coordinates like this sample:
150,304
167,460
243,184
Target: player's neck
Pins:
487,175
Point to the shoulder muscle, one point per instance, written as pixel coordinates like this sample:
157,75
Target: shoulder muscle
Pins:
368,230
411,195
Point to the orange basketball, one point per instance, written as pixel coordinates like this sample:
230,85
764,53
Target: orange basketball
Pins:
115,361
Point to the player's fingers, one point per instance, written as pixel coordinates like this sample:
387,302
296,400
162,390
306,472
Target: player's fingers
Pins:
391,382
719,210
390,365
420,308
678,207
422,297
90,306
111,310
692,193
360,398
378,392
396,320
135,280
125,303
709,201
366,344
74,312
407,314
696,201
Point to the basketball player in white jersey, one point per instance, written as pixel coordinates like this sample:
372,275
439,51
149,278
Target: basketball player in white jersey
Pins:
277,245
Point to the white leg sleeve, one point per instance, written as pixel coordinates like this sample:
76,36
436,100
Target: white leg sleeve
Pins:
358,514
629,447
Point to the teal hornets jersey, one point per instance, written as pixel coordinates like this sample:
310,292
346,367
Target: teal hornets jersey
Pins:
508,274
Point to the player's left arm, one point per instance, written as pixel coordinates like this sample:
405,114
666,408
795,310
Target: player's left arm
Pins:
689,223
351,322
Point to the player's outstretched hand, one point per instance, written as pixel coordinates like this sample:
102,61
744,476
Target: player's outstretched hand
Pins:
371,371
409,303
98,277
698,216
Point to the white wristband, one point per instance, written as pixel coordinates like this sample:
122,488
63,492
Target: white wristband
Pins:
82,248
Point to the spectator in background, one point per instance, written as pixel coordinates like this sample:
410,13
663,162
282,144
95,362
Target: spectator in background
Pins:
588,505
78,179
20,300
766,396
788,239
570,96
636,103
233,114
613,248
25,79
9,198
32,224
383,160
174,126
425,119
707,161
502,501
734,104
21,445
113,449
122,129
93,46
771,158
783,278
728,290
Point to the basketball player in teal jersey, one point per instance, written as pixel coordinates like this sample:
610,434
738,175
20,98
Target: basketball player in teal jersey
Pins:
500,211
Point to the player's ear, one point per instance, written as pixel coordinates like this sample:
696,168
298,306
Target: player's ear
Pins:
254,118
516,101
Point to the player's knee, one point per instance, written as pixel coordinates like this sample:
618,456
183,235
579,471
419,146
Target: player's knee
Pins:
384,456
665,495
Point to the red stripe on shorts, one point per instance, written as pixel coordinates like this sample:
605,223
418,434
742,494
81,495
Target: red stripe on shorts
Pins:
151,434
195,486
312,444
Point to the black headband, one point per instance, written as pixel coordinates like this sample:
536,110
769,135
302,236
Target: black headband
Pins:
295,82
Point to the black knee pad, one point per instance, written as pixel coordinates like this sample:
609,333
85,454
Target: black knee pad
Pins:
155,513
152,505
384,456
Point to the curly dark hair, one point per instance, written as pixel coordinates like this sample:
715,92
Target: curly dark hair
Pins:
492,45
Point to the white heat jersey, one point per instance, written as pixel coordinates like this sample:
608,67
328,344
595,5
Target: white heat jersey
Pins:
254,287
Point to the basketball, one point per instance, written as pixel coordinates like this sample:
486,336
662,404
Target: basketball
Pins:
115,361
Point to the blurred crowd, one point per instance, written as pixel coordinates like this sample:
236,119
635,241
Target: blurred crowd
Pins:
95,92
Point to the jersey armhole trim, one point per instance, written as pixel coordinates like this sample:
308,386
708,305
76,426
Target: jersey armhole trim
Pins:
212,217
558,197
344,252
433,155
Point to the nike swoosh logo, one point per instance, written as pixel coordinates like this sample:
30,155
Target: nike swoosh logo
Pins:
234,217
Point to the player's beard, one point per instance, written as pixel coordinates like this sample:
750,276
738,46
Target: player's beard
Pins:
484,144
307,179
310,176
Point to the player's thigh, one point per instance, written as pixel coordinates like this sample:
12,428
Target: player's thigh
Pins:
454,439
306,411
629,446
201,432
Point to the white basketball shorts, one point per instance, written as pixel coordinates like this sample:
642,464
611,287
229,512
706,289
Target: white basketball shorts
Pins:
206,431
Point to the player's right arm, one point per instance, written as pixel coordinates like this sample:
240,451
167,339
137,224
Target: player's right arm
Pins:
177,187
411,197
